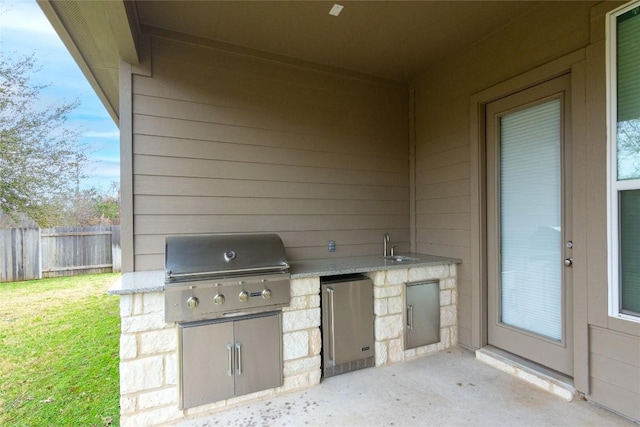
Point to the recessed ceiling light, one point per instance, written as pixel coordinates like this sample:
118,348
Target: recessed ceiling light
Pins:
336,9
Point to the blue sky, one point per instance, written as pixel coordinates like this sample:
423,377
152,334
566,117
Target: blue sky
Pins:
25,30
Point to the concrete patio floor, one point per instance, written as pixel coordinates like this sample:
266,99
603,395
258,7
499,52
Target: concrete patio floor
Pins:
450,388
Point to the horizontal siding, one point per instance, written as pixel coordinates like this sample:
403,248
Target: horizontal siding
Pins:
447,123
447,143
615,371
289,143
451,251
443,174
464,335
299,244
615,398
447,189
449,221
612,371
616,346
154,244
196,223
150,262
249,87
231,143
450,156
205,168
185,205
231,123
446,205
464,288
444,236
180,186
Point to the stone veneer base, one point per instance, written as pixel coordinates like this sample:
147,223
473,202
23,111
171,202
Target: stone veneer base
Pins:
149,356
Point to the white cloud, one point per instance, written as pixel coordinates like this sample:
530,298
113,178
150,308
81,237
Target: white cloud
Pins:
98,134
104,168
24,16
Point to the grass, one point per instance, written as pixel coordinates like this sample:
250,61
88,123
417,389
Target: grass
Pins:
59,352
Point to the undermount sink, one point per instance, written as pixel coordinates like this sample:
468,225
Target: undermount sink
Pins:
399,258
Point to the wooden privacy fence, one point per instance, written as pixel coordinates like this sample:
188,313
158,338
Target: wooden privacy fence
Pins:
33,253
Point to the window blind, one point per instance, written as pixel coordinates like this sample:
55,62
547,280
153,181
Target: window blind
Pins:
531,218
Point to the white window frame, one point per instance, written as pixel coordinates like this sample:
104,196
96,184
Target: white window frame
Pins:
614,186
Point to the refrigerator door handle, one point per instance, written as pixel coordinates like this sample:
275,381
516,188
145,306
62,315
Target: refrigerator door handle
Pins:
332,337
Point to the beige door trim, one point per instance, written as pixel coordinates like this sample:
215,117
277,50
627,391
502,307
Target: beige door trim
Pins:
554,354
575,64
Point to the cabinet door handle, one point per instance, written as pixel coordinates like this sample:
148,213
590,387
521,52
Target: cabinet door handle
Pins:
332,338
239,357
410,317
230,359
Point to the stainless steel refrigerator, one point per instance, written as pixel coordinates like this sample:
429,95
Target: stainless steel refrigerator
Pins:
347,324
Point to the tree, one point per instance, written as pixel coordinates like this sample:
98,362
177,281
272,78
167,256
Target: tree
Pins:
628,140
108,205
93,207
40,159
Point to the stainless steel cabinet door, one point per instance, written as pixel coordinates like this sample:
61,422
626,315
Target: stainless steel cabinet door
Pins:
423,314
206,364
258,349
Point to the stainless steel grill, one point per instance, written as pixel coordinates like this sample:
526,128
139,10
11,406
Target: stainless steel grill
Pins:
217,275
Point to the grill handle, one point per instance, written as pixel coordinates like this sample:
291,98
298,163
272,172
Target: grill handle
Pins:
230,359
239,357
171,275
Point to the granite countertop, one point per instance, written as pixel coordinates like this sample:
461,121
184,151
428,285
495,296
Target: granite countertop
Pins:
362,264
153,281
138,282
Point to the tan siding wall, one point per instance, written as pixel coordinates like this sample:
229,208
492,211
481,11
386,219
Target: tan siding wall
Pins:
443,176
615,371
231,143
442,126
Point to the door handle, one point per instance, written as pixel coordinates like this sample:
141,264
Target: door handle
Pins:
332,338
239,357
568,262
230,359
410,317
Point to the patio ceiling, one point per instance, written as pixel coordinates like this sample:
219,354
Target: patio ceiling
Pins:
394,40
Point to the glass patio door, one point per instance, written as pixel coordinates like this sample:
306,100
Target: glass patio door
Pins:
528,227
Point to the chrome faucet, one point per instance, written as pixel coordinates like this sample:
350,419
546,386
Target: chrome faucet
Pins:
385,240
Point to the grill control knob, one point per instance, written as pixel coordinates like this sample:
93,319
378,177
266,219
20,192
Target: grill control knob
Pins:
218,299
244,296
193,302
266,294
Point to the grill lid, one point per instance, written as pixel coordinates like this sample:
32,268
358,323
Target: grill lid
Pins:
222,254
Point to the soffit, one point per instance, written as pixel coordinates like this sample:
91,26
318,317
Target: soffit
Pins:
395,40
98,34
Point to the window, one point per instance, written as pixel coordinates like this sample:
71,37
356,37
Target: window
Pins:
624,161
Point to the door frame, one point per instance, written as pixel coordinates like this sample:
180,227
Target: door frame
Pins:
549,352
573,64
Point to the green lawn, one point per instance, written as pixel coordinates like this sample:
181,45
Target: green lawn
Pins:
59,352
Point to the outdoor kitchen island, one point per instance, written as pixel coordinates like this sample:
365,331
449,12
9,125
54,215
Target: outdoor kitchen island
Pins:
149,365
